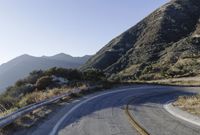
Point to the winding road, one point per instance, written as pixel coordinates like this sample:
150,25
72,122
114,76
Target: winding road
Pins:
103,113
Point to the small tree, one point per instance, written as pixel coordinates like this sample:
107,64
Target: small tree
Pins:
34,75
43,82
70,74
94,75
20,82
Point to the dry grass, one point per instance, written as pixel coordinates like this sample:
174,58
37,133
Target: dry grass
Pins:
31,118
35,97
194,81
37,115
186,81
7,112
190,104
40,96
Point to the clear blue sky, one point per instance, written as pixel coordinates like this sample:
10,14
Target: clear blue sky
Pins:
75,27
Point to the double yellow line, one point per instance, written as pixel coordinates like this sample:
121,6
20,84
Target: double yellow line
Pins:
134,123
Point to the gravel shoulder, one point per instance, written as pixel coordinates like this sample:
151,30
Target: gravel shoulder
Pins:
184,115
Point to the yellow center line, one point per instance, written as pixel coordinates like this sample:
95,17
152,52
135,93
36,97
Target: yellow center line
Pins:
134,123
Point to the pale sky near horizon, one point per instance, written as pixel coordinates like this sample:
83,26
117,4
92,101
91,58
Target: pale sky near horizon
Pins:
75,27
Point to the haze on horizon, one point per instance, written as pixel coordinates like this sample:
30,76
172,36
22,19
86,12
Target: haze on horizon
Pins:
75,27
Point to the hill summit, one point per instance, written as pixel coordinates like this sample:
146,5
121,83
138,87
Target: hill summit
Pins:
21,66
165,44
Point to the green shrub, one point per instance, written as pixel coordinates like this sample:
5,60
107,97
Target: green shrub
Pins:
69,74
94,75
7,101
31,79
43,82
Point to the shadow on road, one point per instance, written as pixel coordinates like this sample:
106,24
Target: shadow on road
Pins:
118,100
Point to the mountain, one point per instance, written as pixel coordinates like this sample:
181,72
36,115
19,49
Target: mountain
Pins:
165,44
69,58
21,66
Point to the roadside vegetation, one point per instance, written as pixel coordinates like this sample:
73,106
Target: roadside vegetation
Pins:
190,104
185,67
183,81
41,85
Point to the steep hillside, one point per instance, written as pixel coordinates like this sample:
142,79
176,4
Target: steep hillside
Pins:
166,44
21,66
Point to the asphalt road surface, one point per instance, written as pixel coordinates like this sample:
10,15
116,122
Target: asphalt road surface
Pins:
103,113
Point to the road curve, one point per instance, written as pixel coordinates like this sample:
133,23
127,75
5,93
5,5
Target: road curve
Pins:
150,113
104,114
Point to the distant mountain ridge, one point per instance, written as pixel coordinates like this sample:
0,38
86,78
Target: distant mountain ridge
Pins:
21,66
165,44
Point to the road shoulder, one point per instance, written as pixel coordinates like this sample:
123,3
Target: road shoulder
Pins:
183,115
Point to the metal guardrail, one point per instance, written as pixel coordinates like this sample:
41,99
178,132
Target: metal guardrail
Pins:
8,119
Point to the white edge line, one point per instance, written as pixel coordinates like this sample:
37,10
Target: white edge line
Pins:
58,124
195,120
